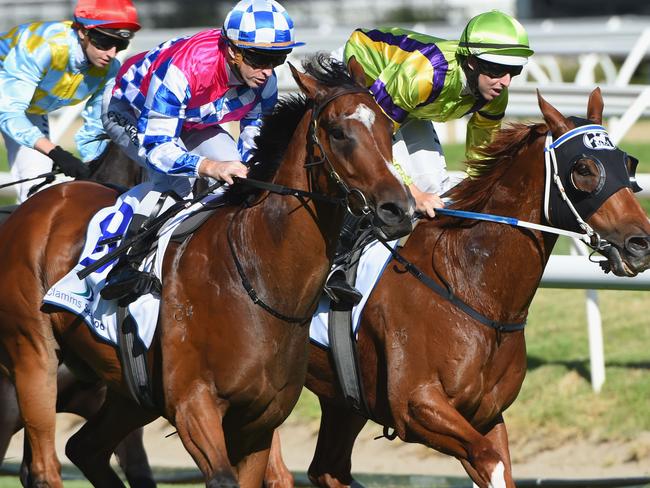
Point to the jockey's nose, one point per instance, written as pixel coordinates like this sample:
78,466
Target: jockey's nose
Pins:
505,80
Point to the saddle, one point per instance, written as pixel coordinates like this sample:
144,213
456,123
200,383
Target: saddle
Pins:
130,287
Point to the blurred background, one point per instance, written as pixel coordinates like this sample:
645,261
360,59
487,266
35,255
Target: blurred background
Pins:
583,411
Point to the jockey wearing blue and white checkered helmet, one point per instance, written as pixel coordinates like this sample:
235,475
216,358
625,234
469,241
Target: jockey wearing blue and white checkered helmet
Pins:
260,34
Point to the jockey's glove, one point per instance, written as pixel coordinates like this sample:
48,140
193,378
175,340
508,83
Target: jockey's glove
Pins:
68,163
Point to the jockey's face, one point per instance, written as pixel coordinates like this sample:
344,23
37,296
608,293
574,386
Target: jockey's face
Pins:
254,68
493,77
99,48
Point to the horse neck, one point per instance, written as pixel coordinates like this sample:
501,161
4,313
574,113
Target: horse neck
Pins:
504,263
300,235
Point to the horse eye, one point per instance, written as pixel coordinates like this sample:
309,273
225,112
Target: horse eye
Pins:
337,133
585,175
583,168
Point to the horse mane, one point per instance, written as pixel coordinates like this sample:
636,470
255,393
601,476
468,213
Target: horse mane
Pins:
278,127
472,193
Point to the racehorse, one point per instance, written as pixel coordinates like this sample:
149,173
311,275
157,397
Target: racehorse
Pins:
82,397
432,372
226,368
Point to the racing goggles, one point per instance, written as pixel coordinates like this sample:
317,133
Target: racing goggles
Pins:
105,42
263,60
495,70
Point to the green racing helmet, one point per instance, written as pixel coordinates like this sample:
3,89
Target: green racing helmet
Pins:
495,37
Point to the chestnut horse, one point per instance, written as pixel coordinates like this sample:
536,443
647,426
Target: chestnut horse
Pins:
226,369
430,371
82,396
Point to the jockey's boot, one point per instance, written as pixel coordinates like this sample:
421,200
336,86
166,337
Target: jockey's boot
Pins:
342,292
125,282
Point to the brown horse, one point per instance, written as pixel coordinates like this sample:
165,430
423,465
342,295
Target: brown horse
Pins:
432,372
226,369
85,396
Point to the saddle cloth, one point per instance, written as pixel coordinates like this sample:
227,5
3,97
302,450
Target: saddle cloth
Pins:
372,263
82,296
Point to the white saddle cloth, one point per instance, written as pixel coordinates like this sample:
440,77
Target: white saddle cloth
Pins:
82,296
372,263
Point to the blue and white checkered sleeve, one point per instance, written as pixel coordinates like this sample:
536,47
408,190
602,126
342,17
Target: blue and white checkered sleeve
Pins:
23,68
161,121
250,125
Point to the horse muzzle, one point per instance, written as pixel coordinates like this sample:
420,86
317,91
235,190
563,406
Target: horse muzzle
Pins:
630,259
392,220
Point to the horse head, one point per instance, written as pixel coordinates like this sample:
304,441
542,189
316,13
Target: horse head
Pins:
354,140
590,187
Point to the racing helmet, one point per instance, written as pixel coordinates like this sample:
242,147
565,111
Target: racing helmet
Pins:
260,25
497,38
117,18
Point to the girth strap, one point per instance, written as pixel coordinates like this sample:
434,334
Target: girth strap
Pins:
343,345
133,358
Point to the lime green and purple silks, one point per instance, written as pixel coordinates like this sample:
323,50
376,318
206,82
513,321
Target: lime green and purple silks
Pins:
413,75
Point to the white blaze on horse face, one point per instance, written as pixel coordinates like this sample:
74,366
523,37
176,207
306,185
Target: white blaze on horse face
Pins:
363,114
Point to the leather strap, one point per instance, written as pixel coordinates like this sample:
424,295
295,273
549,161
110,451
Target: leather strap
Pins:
133,358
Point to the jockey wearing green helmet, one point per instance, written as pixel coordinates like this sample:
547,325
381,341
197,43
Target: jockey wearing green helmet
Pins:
417,79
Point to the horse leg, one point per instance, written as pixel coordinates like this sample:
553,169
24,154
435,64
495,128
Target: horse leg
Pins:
499,437
277,474
35,366
331,466
85,400
91,448
430,419
198,419
252,467
10,422
132,458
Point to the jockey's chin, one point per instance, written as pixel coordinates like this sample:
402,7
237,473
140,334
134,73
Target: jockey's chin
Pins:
254,77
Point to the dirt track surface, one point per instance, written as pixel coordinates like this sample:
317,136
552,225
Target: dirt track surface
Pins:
570,460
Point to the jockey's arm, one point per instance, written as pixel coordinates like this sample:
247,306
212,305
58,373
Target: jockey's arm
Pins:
483,125
91,137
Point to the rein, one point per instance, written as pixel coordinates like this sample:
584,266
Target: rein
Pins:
590,237
448,294
300,194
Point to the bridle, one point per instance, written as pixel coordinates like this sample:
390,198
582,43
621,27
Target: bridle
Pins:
324,159
346,191
564,207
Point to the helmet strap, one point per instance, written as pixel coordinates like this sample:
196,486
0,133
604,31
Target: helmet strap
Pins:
472,75
235,60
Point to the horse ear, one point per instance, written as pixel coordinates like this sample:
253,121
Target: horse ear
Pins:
308,85
554,119
595,107
357,72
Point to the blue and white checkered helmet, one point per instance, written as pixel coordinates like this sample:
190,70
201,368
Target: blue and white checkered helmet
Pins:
260,24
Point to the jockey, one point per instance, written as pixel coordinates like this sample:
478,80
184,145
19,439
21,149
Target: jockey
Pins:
48,65
417,79
168,105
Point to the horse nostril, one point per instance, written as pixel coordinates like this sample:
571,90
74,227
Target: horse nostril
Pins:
390,213
638,245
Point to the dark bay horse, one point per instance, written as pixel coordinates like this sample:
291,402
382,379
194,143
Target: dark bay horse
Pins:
226,370
84,396
430,371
